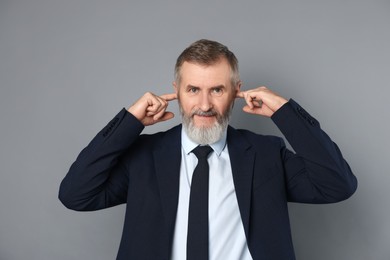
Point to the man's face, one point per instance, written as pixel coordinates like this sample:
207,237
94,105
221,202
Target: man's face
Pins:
205,95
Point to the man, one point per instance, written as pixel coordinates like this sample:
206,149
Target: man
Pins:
251,177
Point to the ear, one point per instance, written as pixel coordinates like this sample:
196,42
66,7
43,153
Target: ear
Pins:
176,87
238,86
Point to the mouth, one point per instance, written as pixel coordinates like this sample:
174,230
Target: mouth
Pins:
204,120
204,117
204,114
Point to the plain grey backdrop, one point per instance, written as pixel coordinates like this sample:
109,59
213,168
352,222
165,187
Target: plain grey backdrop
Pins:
67,67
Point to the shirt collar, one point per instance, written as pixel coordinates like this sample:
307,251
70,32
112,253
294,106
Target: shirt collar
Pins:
189,145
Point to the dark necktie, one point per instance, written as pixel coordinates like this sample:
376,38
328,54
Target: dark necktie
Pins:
198,214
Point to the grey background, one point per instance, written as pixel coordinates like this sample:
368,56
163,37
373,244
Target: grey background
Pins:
67,67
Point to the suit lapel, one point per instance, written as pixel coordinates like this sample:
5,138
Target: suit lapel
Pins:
242,159
167,159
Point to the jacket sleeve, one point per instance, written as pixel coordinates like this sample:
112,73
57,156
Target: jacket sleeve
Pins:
317,171
98,179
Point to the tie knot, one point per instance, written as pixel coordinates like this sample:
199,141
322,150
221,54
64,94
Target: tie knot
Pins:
202,151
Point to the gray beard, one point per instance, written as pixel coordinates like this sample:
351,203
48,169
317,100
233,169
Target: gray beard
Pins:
205,135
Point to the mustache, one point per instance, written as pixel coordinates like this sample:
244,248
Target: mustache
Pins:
199,112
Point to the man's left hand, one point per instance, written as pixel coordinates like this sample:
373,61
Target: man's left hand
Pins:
261,101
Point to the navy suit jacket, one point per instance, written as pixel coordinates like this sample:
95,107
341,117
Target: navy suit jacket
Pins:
122,166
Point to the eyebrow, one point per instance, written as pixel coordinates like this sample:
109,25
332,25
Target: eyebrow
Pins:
218,86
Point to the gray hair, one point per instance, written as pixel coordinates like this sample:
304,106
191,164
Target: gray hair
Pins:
207,52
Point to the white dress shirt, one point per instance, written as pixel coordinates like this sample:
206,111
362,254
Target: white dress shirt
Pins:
226,233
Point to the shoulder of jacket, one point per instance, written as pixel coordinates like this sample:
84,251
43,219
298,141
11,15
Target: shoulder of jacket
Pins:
253,137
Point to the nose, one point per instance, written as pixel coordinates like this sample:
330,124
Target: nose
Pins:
205,103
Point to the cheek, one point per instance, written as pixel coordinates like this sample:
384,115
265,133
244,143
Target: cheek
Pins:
186,104
222,105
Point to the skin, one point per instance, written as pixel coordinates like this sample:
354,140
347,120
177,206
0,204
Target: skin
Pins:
205,87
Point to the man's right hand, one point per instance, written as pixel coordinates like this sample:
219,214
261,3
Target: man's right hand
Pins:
151,109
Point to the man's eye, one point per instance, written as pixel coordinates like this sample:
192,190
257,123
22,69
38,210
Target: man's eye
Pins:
193,90
217,91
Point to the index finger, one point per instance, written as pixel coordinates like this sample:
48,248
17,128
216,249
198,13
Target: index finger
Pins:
240,94
169,97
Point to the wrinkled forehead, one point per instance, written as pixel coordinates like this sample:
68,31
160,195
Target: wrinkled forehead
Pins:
199,75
